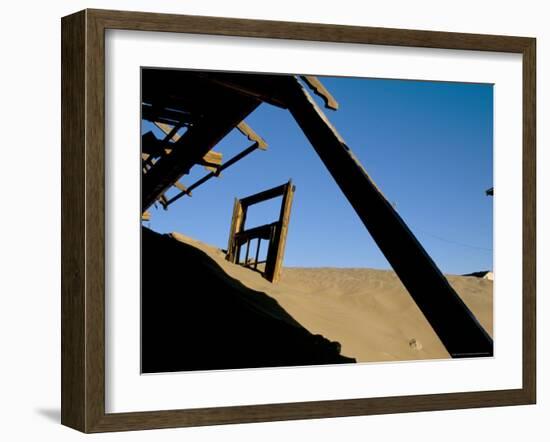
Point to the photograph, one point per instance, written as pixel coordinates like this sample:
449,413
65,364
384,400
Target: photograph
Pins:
295,220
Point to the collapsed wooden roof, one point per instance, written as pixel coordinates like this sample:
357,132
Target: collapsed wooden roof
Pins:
211,104
207,106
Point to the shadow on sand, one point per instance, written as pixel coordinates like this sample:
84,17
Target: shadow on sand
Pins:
51,414
196,317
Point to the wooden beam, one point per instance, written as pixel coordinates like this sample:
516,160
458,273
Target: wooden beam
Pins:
265,195
177,94
181,187
215,174
237,224
212,161
319,89
450,318
163,115
211,157
194,144
163,200
276,252
167,128
246,130
262,232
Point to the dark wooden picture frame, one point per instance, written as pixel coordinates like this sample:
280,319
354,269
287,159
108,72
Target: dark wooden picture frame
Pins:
83,220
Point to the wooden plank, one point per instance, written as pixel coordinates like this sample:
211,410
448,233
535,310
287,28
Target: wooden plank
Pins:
265,195
167,116
276,249
256,257
450,318
181,187
285,220
166,128
211,161
210,157
319,89
262,232
216,174
194,144
213,157
237,224
246,130
163,201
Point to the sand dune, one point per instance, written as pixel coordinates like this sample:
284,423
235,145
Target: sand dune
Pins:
196,316
367,311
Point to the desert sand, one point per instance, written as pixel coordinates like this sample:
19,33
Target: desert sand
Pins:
367,311
196,316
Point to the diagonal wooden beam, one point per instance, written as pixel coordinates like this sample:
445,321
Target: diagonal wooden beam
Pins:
276,251
194,144
319,89
210,161
264,195
453,322
215,174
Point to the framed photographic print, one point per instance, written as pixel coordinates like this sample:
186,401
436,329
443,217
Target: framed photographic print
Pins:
268,220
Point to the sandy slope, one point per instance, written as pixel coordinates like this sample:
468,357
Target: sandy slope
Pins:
368,311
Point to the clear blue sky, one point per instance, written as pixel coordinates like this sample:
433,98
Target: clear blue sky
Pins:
427,145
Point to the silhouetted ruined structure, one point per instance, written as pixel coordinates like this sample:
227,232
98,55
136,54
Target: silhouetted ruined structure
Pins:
206,106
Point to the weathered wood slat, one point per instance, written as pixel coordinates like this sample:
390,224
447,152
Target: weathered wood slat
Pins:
262,232
237,223
276,251
246,130
217,173
210,160
315,84
193,145
181,187
264,195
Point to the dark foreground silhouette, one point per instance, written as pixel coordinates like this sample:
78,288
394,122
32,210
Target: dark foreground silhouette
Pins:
196,317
